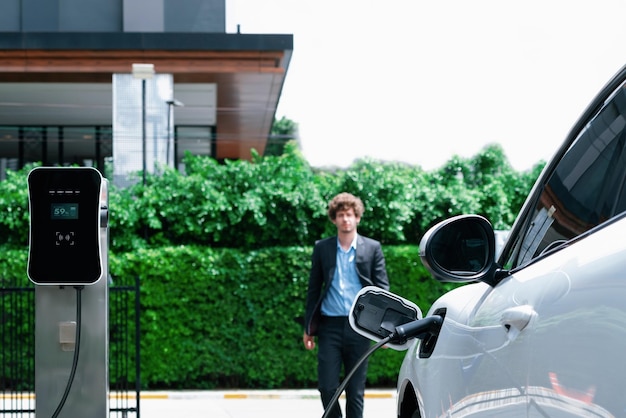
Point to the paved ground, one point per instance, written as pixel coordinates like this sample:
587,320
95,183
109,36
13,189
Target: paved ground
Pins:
254,404
218,404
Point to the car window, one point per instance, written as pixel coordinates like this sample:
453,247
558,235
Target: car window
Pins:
586,188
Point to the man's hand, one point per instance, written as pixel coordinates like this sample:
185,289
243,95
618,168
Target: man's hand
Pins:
309,341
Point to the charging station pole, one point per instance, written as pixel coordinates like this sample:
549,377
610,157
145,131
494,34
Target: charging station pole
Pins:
68,261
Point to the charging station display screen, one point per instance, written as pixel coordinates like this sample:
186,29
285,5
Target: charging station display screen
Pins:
64,211
64,205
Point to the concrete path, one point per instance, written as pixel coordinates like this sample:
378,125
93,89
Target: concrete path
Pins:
253,404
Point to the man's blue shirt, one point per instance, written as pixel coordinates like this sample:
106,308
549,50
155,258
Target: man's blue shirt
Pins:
345,284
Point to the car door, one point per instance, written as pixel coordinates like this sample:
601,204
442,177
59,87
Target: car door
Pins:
571,259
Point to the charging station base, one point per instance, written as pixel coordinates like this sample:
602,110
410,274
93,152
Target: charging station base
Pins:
55,312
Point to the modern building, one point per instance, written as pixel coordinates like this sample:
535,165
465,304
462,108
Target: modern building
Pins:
69,95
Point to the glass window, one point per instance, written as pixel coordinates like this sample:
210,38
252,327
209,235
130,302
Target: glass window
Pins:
587,187
198,140
9,142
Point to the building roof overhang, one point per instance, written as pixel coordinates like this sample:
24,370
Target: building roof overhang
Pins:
249,70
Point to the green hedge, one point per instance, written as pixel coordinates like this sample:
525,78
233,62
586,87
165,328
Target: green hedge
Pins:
227,318
230,318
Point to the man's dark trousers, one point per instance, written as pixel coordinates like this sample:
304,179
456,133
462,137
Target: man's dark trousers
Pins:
339,344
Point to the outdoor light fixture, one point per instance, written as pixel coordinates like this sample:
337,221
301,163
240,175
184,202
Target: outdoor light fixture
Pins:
143,71
175,103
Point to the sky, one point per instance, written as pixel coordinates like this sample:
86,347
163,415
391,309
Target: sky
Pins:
419,81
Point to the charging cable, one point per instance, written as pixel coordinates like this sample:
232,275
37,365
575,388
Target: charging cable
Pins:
420,328
343,385
76,352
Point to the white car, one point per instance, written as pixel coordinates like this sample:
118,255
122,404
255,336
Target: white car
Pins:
539,331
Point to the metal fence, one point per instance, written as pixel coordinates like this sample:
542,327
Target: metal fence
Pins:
17,336
17,359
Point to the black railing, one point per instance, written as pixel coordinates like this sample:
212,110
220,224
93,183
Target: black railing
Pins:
17,357
124,353
17,336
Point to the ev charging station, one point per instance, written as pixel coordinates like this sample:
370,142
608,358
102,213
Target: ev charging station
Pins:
68,262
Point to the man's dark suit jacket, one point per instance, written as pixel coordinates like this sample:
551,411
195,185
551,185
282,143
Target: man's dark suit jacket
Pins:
370,267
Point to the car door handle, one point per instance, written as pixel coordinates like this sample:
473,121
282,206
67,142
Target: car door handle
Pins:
516,319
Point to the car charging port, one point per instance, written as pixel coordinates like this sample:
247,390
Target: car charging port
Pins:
428,343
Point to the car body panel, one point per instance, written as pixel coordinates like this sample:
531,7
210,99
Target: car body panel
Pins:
577,355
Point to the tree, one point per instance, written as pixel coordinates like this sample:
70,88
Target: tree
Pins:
283,131
281,200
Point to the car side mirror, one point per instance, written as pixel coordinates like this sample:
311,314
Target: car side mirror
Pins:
376,313
461,249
